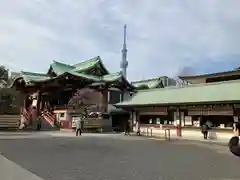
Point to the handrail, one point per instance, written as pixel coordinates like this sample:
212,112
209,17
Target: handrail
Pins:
26,113
50,117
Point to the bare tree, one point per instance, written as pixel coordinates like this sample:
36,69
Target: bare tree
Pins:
85,100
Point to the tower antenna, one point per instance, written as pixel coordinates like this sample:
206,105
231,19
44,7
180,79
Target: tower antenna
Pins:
124,62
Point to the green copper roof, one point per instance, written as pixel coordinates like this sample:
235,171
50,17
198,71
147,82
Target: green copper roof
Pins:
85,65
112,77
150,83
86,76
61,70
29,76
212,92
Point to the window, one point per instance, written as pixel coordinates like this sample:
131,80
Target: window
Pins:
62,115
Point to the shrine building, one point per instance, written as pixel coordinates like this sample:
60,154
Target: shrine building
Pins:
49,93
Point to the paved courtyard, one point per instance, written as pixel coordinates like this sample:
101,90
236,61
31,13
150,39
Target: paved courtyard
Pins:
116,157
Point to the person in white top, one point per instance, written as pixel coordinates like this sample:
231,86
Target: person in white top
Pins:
79,126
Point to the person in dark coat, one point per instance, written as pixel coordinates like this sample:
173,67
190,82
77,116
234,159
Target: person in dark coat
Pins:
205,130
127,129
39,123
233,143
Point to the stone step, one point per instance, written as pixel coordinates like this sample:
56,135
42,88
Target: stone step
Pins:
10,121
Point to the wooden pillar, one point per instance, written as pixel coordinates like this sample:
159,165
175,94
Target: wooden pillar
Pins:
136,118
179,122
131,120
39,102
24,101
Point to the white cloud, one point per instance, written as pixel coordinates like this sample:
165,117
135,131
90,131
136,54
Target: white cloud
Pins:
163,36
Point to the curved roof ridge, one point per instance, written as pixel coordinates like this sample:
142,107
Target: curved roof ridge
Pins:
60,68
111,74
33,73
96,58
60,63
88,64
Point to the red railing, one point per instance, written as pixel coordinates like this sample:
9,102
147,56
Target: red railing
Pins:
49,117
26,113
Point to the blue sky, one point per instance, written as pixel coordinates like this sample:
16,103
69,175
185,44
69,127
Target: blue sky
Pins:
164,36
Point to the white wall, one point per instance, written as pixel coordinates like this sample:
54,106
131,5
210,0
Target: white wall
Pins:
66,116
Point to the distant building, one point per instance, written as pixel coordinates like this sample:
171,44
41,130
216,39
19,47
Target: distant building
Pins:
159,82
212,77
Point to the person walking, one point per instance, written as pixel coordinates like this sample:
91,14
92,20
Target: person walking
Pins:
205,130
39,123
127,129
138,128
79,126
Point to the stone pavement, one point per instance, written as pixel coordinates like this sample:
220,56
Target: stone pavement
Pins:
67,133
62,156
21,135
222,141
13,135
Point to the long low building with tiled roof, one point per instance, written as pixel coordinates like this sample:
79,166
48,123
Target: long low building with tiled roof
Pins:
210,98
219,92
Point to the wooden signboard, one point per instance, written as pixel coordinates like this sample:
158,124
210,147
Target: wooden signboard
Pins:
211,110
218,110
194,111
